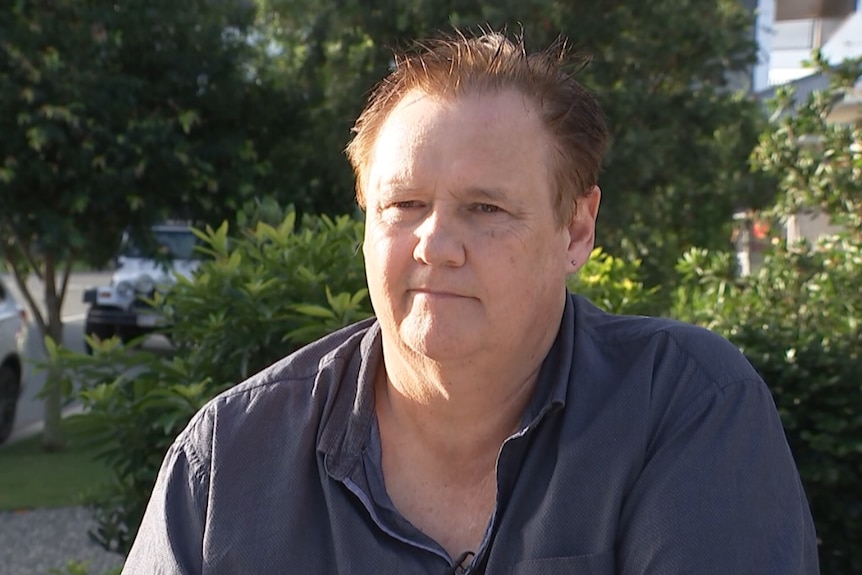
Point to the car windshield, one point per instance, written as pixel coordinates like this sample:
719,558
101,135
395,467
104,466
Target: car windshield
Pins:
166,244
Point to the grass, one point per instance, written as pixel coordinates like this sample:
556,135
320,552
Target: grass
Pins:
32,478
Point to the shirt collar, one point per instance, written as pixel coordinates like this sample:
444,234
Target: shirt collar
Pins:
555,373
345,432
353,408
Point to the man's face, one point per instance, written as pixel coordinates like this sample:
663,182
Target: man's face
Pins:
463,254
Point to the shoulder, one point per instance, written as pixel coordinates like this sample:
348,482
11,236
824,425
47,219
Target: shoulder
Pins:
663,345
328,355
700,445
292,397
665,377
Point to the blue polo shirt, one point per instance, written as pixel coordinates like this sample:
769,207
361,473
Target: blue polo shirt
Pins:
648,447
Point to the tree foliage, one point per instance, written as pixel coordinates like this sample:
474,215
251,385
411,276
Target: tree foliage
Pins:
662,70
114,116
817,162
120,114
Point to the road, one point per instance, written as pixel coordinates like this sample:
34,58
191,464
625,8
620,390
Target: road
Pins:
30,407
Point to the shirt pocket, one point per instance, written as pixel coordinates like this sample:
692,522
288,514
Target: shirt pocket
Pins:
596,564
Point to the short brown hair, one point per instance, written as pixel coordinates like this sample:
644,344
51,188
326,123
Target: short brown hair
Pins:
457,64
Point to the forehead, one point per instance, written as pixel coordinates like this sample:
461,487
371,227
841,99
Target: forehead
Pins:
486,112
483,135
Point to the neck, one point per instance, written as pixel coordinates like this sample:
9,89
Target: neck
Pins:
461,409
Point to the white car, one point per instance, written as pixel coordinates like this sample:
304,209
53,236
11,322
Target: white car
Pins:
121,308
13,323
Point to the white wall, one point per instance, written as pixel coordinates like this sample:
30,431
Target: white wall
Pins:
763,34
784,45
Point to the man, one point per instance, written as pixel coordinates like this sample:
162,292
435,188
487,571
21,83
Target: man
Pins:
486,421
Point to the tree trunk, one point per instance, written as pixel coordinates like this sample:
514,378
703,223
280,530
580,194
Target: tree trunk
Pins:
50,324
52,435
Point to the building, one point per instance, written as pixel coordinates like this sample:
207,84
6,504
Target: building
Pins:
787,33
788,30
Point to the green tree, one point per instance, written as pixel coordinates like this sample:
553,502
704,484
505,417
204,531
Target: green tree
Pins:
115,115
817,161
662,70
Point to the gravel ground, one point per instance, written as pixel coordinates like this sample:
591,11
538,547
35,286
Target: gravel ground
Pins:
33,542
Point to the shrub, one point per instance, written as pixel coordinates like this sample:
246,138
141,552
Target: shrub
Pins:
260,295
798,322
263,292
614,285
136,403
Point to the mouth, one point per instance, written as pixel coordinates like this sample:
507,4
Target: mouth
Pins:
436,293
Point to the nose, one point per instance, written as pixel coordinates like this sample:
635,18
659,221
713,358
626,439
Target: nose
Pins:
439,241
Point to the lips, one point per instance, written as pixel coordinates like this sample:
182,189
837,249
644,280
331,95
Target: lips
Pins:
437,292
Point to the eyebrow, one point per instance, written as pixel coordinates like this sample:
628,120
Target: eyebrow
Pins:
493,194
396,187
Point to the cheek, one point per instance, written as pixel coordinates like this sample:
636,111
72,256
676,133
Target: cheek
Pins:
535,266
380,247
386,259
375,246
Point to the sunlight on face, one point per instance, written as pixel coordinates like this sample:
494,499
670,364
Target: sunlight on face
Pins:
463,254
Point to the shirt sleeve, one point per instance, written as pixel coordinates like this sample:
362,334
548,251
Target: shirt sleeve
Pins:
719,493
170,538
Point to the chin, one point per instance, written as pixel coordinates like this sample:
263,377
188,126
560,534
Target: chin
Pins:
441,345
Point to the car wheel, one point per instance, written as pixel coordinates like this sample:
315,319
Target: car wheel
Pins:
10,384
101,332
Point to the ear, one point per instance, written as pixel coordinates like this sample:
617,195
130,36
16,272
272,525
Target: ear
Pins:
582,229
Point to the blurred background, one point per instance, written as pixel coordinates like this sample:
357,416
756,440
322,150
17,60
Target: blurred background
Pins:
732,198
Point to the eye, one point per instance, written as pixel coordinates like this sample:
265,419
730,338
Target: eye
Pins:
487,208
401,210
398,206
407,204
